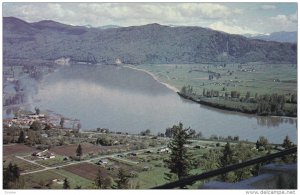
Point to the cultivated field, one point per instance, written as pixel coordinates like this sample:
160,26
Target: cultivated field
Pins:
253,77
85,170
17,149
23,165
87,148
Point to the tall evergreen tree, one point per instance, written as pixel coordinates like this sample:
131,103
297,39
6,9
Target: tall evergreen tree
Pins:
21,138
66,184
226,159
37,110
179,162
62,122
79,151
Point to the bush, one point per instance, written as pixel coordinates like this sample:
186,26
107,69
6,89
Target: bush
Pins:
36,125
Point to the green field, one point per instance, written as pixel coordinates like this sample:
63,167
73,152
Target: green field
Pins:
257,78
45,180
23,165
58,160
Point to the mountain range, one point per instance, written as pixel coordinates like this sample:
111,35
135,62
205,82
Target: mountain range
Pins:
152,43
288,37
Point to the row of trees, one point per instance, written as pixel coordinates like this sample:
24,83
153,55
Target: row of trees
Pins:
269,104
188,91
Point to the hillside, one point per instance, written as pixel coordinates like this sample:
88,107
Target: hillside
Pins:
152,43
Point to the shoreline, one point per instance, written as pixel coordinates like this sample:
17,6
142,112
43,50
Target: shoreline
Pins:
229,109
174,89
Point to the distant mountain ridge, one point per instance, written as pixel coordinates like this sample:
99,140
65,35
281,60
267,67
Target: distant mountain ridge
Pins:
152,43
284,37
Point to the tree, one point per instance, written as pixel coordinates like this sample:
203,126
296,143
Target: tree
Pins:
179,162
243,152
107,182
21,138
15,172
122,181
287,144
199,134
62,121
11,176
36,125
225,160
37,110
66,184
262,142
192,133
79,151
210,160
104,141
146,133
78,126
247,95
99,181
294,98
169,132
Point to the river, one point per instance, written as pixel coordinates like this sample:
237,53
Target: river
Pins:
128,100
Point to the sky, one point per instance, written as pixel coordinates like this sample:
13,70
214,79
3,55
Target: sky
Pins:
234,18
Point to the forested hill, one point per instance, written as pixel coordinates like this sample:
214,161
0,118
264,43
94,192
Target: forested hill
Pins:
152,43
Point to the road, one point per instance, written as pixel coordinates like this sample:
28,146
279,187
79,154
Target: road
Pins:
115,156
45,168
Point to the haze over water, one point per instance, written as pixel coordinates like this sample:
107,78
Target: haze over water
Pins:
127,100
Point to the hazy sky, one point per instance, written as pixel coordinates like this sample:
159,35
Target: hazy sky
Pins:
237,18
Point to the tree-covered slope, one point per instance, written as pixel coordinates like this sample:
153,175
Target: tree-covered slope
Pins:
152,43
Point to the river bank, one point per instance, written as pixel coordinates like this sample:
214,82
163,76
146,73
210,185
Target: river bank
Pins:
242,109
154,77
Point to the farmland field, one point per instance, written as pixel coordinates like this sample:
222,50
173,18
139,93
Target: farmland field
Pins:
45,180
253,77
17,149
70,150
85,170
58,160
23,165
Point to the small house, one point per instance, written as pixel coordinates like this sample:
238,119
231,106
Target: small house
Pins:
102,162
164,150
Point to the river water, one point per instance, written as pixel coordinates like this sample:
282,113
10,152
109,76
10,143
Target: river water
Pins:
123,99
